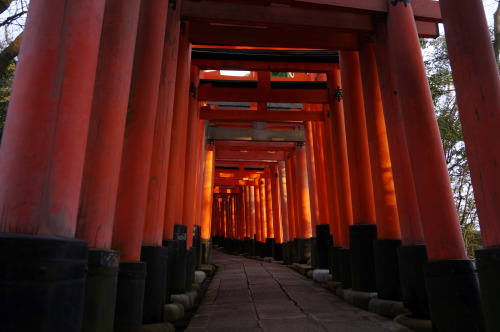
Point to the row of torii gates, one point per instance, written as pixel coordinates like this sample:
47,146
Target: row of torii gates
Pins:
116,132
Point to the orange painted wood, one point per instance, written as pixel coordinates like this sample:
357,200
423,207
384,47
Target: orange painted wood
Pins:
275,16
270,233
263,209
229,182
131,201
303,193
276,196
253,209
283,201
175,183
380,160
208,184
235,190
206,33
192,162
408,210
336,129
311,175
264,85
155,213
360,177
263,65
247,115
321,181
237,174
209,93
477,86
107,124
258,213
43,146
437,208
256,144
250,155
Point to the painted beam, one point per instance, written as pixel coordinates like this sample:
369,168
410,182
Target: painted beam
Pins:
221,144
228,182
230,134
246,115
209,93
309,67
251,155
218,190
216,34
252,148
238,174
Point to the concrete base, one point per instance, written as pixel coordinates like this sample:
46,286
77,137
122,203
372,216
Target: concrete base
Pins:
268,259
159,327
301,268
319,275
209,269
340,292
173,311
182,299
387,308
417,325
358,299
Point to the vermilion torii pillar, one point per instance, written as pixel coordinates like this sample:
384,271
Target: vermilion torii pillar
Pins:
475,75
291,202
388,230
454,300
304,215
41,165
283,192
335,128
207,202
312,174
131,200
102,160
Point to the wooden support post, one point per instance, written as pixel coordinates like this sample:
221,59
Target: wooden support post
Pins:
107,124
311,175
208,185
275,189
157,191
304,204
283,193
258,214
270,232
175,183
321,181
406,196
357,140
252,208
380,161
43,146
291,202
335,128
263,209
454,300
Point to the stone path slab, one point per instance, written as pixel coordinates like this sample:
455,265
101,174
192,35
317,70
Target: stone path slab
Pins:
250,295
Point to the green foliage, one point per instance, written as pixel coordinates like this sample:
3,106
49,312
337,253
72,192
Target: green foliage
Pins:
6,80
443,94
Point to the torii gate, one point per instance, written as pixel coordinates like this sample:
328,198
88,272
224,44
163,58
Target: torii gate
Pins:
103,145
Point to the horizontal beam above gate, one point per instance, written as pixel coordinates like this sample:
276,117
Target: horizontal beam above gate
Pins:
267,116
233,134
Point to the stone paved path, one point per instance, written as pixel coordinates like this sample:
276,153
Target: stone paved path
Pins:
250,295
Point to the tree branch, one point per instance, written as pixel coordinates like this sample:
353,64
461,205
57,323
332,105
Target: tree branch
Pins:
9,53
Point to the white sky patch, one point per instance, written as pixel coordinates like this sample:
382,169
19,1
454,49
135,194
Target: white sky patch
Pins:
240,73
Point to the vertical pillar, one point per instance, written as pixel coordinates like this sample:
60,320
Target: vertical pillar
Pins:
335,128
102,160
275,190
207,203
269,206
303,193
453,298
312,174
385,248
321,181
284,200
258,215
252,207
263,209
41,163
175,183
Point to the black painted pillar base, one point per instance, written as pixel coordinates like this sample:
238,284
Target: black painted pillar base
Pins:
345,268
454,295
303,250
387,269
411,273
42,282
190,268
261,249
206,251
361,237
100,290
197,245
292,252
270,243
286,259
250,246
334,264
155,286
488,269
324,243
314,253
177,274
130,297
278,252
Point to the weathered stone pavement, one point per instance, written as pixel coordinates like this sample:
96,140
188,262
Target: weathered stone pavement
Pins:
250,295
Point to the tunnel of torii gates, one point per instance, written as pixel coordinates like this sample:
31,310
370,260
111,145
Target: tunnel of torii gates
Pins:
120,142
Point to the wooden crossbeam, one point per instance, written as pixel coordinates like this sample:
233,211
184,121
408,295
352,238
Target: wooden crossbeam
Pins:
238,174
235,190
228,182
265,116
206,33
209,93
269,145
250,155
308,67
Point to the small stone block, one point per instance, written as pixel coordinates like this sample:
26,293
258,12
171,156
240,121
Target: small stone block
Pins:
268,259
183,299
173,311
319,275
358,299
340,292
387,308
417,325
199,276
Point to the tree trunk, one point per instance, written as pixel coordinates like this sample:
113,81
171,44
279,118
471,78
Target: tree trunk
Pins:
9,53
4,4
496,29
